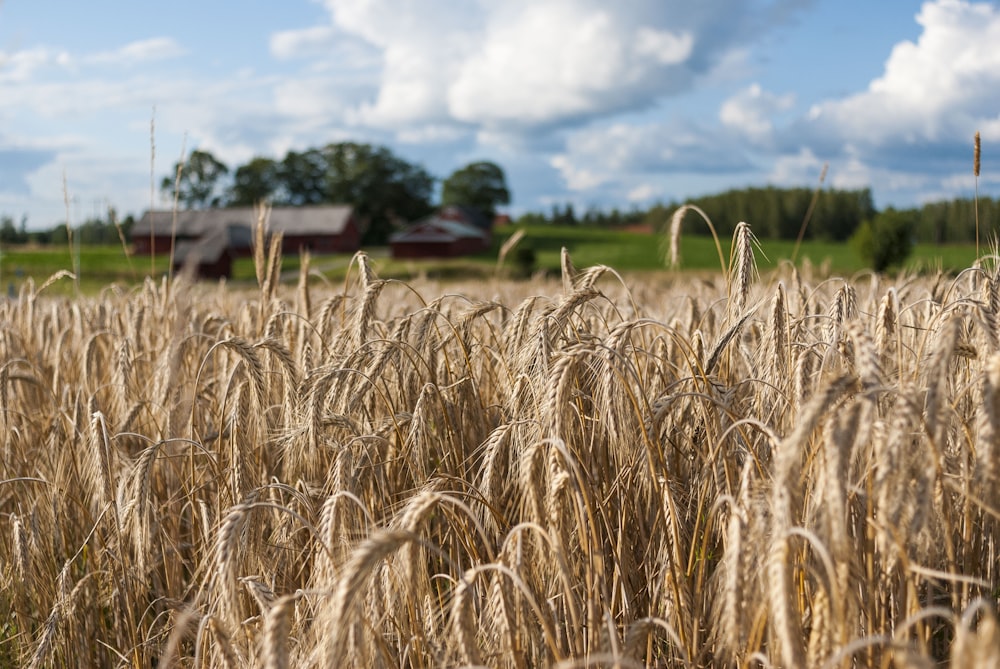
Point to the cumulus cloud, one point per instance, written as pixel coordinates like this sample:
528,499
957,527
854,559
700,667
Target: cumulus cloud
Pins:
420,46
554,62
751,111
933,94
626,154
521,65
16,163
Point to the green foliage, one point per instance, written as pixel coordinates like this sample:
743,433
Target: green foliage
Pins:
199,182
531,218
777,213
526,260
382,187
886,240
565,216
773,213
481,185
955,220
258,181
303,178
11,234
96,231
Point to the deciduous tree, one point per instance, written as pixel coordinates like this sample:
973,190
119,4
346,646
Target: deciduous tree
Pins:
198,184
481,185
258,181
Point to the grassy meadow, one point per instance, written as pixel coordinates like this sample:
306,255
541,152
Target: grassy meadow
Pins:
99,266
731,469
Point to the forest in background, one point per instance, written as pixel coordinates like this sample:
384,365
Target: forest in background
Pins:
773,213
778,213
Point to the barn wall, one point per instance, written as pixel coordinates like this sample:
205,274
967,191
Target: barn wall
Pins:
161,244
223,267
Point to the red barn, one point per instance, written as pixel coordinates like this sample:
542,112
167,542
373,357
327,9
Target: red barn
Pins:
320,228
439,237
211,256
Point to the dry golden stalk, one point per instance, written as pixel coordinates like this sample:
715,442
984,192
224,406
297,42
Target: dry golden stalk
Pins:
277,625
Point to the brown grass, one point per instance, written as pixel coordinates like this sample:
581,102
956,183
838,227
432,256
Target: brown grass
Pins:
674,471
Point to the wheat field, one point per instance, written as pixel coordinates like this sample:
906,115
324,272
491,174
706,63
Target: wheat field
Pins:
720,471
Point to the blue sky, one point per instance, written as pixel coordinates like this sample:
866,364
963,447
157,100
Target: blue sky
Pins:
584,101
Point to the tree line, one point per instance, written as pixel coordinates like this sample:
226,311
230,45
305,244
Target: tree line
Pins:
774,213
384,189
779,213
955,220
387,190
93,231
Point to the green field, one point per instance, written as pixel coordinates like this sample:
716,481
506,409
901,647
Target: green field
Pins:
633,251
100,266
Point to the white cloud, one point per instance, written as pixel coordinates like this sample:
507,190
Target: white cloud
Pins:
578,178
663,46
939,89
17,161
432,134
28,65
851,172
289,44
523,65
643,193
556,61
21,66
420,44
751,110
141,51
308,98
796,169
625,156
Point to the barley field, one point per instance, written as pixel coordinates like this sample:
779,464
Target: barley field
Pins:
733,470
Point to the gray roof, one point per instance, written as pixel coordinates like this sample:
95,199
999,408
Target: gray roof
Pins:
467,214
437,229
311,220
207,249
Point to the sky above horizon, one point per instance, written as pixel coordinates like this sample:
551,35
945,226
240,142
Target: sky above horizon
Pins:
595,103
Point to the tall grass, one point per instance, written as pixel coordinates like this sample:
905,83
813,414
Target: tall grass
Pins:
730,471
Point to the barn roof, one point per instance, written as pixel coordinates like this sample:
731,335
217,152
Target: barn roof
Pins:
466,214
207,249
436,229
310,220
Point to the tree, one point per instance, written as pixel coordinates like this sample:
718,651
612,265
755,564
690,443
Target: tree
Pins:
303,177
886,240
481,185
565,216
532,218
381,186
198,185
257,181
8,233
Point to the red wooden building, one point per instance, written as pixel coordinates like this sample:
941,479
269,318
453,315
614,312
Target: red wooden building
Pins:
452,231
437,237
319,228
